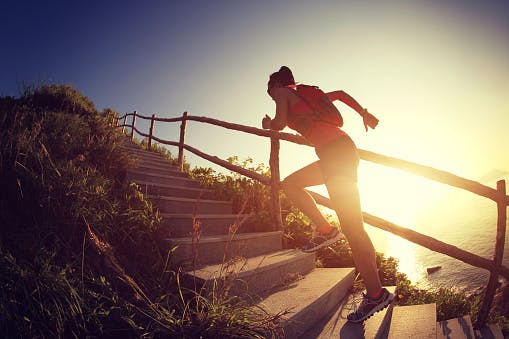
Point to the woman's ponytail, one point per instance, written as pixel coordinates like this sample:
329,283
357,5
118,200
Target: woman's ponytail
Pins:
286,76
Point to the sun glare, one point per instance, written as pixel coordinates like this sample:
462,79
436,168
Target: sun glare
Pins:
400,198
395,195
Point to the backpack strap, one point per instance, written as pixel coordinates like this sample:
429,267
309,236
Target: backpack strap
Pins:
316,114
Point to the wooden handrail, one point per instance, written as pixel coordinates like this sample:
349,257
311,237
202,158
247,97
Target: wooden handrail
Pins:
421,239
498,195
408,166
218,161
497,260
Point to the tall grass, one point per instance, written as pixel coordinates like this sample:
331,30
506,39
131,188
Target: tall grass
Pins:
79,251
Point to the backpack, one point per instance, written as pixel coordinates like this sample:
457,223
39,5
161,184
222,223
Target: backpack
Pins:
323,109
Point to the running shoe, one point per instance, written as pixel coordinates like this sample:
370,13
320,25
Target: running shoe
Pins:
370,306
321,240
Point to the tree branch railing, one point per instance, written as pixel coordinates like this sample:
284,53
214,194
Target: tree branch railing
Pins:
498,195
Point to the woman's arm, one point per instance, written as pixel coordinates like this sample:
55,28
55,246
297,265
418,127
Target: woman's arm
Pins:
280,96
347,99
369,119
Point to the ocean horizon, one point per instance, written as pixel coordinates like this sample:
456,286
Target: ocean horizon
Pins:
459,218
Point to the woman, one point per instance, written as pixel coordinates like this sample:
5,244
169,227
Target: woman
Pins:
337,169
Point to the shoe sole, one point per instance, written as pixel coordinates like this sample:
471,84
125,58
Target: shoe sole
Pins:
377,309
324,244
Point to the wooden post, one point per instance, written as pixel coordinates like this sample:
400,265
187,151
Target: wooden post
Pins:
498,257
182,141
275,182
150,132
123,124
134,124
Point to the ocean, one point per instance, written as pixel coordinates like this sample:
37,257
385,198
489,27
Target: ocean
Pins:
458,218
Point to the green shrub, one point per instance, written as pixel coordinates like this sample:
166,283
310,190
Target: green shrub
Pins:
247,195
61,167
59,98
79,251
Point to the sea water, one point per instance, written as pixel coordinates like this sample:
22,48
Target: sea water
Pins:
459,218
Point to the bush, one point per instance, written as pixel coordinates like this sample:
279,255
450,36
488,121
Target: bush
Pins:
247,195
62,169
79,251
59,98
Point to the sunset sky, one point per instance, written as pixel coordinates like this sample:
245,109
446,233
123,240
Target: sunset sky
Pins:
436,73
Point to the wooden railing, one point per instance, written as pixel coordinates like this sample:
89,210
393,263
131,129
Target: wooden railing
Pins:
498,194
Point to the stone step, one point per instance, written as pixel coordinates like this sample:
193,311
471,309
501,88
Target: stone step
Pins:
309,299
458,328
135,149
163,169
214,249
194,206
335,324
153,161
256,274
490,331
417,321
145,156
151,158
133,175
181,225
158,189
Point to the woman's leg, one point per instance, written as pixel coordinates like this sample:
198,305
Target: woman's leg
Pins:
294,186
345,198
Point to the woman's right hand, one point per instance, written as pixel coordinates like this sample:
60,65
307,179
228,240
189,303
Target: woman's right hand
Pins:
266,122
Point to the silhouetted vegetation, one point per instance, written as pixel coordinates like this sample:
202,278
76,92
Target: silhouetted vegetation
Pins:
79,251
79,255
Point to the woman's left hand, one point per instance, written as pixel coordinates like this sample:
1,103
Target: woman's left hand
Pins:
369,120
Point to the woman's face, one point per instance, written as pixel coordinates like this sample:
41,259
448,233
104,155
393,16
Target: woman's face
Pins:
273,84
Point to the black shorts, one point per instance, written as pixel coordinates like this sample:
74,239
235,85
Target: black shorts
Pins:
339,158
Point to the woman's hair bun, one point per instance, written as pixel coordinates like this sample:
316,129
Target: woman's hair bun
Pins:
284,70
286,76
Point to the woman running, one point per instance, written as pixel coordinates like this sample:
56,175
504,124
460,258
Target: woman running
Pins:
337,169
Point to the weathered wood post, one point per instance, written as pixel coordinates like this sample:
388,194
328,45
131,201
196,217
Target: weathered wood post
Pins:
181,141
275,182
498,257
133,124
151,131
123,124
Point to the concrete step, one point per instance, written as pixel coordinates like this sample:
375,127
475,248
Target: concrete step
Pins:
194,206
181,225
457,328
309,299
144,155
158,189
153,161
417,321
336,325
256,274
164,169
490,331
214,249
141,151
134,175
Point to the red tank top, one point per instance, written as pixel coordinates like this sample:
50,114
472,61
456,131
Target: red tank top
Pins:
319,132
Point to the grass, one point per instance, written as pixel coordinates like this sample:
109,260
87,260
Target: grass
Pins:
79,250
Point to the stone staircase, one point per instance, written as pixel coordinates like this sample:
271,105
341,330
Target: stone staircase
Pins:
318,299
398,322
